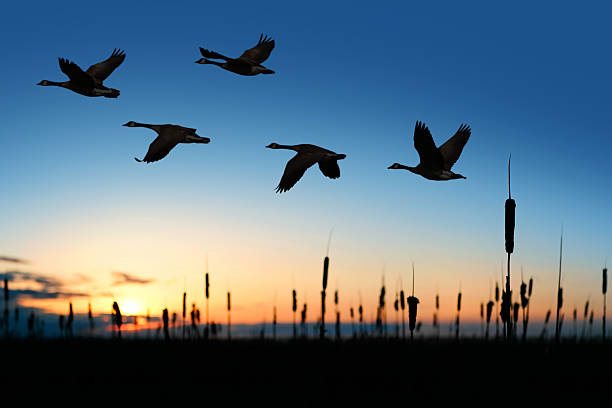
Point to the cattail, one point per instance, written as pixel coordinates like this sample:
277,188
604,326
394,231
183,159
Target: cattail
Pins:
165,321
274,323
591,316
510,208
516,312
403,306
70,320
207,293
412,314
6,300
118,318
229,320
90,317
604,290
489,312
294,309
184,312
303,321
529,291
559,292
352,314
546,319
325,274
458,311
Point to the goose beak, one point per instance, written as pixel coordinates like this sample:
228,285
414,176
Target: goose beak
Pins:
126,124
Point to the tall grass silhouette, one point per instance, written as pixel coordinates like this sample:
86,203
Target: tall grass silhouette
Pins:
559,293
118,319
294,310
412,309
604,290
510,216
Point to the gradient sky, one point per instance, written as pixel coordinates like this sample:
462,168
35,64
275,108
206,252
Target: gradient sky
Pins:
530,79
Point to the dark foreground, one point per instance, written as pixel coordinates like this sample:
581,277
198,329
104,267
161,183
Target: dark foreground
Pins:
311,373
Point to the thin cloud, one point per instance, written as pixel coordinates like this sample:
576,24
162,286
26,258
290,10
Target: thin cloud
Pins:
12,259
50,288
122,278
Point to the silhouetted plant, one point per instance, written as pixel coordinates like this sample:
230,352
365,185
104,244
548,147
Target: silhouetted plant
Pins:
546,319
165,323
559,292
516,311
482,319
403,306
303,321
361,318
118,318
496,310
458,313
337,315
229,317
274,323
490,305
294,309
31,332
90,318
184,314
323,292
591,324
604,290
510,208
396,308
69,321
585,318
5,320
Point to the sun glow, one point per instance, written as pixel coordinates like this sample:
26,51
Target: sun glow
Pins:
130,307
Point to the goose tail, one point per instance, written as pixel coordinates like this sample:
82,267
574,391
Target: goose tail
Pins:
137,159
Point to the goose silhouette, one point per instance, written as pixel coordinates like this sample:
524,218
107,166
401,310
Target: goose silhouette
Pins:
436,162
90,82
306,156
248,64
168,137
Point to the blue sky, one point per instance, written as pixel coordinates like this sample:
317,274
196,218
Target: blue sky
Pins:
530,79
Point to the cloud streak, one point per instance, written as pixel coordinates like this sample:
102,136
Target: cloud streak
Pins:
122,278
50,288
12,259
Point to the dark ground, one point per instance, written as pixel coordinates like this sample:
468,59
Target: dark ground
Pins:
355,373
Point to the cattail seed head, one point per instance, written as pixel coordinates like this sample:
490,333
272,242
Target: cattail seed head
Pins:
560,298
294,302
402,300
6,290
184,304
207,286
575,314
489,310
118,318
229,302
524,298
360,313
396,305
459,302
437,302
586,309
482,310
352,313
496,292
325,270
412,311
530,290
604,287
516,311
591,316
547,318
510,218
336,298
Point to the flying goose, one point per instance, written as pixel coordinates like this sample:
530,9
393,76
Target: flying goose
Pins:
436,162
169,136
306,156
249,63
89,83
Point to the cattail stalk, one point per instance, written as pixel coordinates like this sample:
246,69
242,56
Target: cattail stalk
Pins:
229,316
274,323
294,309
510,216
118,318
584,318
458,312
604,290
184,312
490,305
165,321
496,310
546,319
325,273
403,306
559,292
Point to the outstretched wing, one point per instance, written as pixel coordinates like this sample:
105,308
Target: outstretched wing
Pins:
295,169
452,148
76,74
159,149
212,54
260,52
428,153
102,70
329,168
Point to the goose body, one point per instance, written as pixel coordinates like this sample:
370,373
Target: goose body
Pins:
436,162
168,137
307,155
248,64
90,82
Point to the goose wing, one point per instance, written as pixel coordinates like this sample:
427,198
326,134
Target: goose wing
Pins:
423,143
159,149
102,70
330,168
260,52
295,169
452,148
76,74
